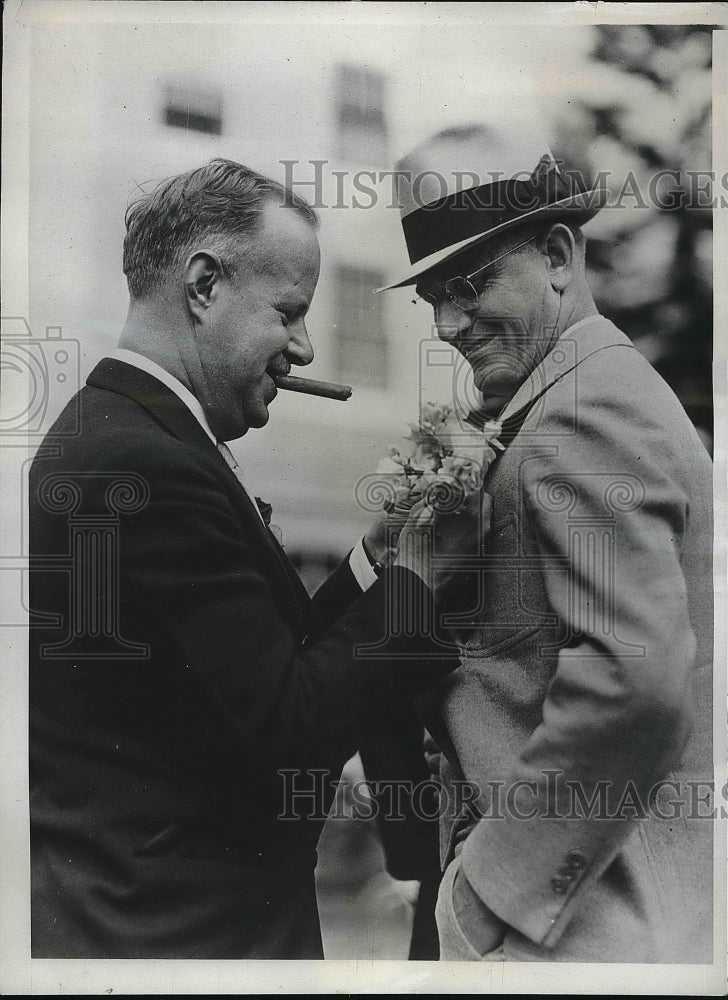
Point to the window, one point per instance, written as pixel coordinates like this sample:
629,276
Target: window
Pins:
361,342
362,129
193,108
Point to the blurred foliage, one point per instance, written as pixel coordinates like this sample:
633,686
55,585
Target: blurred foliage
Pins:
650,250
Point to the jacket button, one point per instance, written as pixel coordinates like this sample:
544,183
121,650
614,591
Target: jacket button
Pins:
577,859
559,885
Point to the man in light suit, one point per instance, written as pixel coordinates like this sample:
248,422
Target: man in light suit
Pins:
180,677
575,737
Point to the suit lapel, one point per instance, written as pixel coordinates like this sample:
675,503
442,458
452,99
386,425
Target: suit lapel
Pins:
289,580
169,411
291,585
164,405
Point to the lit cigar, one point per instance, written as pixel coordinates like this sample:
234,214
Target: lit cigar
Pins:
331,390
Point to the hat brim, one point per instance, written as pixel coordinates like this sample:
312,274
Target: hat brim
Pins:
586,205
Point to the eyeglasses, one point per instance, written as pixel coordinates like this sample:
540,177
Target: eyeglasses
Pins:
460,289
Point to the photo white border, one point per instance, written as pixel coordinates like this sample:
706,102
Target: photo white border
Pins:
21,975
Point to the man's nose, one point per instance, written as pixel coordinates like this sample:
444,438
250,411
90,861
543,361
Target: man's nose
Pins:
299,350
451,323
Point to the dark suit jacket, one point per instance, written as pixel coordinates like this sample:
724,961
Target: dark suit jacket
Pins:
587,671
182,686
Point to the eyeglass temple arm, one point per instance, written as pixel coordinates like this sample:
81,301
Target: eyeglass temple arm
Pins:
492,262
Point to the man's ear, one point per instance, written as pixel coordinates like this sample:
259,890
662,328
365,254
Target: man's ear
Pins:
203,272
561,252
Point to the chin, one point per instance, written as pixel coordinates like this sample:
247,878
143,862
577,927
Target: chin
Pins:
243,423
496,387
258,419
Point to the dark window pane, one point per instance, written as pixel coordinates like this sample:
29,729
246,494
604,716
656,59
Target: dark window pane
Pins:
200,110
361,124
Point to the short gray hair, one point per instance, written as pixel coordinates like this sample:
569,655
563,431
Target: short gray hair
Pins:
217,204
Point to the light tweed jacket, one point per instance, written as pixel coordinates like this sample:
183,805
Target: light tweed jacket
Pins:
585,686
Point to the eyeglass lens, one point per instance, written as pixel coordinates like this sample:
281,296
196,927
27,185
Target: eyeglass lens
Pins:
461,293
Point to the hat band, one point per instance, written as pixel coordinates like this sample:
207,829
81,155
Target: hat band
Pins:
463,214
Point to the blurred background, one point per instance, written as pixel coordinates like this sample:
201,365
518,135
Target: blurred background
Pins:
115,107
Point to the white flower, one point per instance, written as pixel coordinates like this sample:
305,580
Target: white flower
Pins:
492,430
464,471
442,448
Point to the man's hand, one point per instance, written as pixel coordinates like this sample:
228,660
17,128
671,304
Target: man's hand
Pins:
428,531
381,541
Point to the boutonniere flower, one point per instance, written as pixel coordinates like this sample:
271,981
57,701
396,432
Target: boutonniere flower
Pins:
266,512
265,509
439,454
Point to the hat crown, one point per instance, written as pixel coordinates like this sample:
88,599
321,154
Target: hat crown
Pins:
471,183
466,157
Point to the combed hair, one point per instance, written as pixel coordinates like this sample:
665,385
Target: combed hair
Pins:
217,206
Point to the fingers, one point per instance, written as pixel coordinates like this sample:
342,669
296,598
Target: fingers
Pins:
420,515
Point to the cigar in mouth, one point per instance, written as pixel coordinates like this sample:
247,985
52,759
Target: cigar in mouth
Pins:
331,390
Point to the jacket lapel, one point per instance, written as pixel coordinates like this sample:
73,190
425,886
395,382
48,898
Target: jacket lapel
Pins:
296,600
172,414
164,405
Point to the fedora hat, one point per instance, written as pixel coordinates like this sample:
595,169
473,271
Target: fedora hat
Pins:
469,184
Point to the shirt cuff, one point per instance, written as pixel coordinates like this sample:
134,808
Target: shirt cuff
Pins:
361,567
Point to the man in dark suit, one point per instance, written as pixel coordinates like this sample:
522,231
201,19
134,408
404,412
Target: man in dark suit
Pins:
580,720
185,693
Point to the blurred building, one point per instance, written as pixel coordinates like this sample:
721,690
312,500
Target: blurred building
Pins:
105,126
327,107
